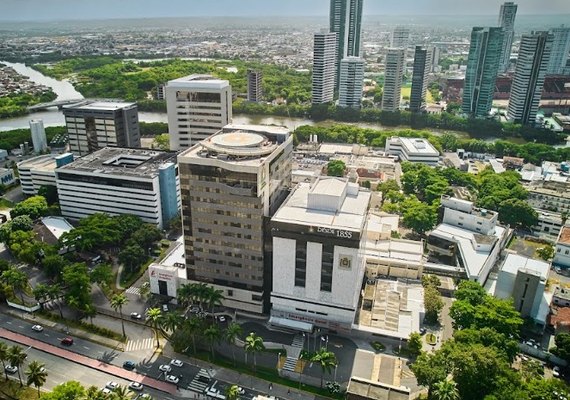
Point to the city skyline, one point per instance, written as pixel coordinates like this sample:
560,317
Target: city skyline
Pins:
36,10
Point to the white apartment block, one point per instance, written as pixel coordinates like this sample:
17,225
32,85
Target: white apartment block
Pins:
318,265
464,214
324,72
39,171
550,194
198,106
120,181
548,225
412,149
562,252
351,82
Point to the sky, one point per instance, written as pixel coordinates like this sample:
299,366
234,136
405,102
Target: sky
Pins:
29,10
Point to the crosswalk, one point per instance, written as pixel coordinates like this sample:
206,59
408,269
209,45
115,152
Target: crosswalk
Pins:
134,290
197,385
140,344
53,304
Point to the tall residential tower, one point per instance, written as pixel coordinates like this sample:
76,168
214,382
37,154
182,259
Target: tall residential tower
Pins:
560,50
528,82
346,20
482,66
198,106
351,82
324,59
422,68
254,85
393,75
507,22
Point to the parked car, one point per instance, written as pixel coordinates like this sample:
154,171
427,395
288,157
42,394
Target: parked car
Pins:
165,368
165,307
241,390
176,363
144,396
135,315
112,385
67,341
556,372
137,386
221,318
172,379
423,331
37,328
129,365
106,391
11,369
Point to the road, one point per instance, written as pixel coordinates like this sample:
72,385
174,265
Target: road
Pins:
147,366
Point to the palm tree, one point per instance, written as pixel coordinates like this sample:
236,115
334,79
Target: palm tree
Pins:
41,293
17,356
89,312
192,327
232,392
253,344
122,393
154,320
55,292
326,359
171,321
214,298
117,303
233,331
37,375
17,280
212,335
445,390
4,357
185,294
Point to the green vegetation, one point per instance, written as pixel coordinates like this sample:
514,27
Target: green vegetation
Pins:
432,298
336,168
431,339
415,344
376,345
15,104
12,139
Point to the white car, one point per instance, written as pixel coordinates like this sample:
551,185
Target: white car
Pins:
177,363
172,379
37,328
136,386
11,369
241,390
221,318
112,385
556,372
165,368
106,391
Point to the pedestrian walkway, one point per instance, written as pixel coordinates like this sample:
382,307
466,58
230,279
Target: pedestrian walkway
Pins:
198,385
134,290
140,344
89,362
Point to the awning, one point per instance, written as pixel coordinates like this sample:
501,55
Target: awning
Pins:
291,324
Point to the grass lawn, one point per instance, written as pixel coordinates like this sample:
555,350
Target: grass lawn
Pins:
406,91
11,390
431,339
525,247
4,204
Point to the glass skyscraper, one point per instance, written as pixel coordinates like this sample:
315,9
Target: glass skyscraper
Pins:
507,22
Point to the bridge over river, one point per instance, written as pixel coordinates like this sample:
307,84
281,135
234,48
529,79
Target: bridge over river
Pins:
57,103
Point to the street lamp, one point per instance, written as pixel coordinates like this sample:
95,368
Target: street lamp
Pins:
325,339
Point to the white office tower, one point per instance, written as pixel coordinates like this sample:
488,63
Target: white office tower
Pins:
324,58
198,106
528,82
351,82
507,22
38,135
560,50
400,37
435,53
393,75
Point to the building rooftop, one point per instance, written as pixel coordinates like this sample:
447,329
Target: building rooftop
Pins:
197,81
514,262
562,293
122,161
347,213
474,259
396,249
416,146
240,144
41,163
99,105
564,237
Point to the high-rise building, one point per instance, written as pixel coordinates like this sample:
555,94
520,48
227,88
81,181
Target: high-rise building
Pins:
422,68
351,82
346,21
93,125
254,85
435,53
400,38
528,81
560,50
120,181
324,59
198,106
393,75
507,22
482,67
231,185
39,139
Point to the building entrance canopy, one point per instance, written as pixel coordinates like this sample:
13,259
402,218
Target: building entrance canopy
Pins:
291,324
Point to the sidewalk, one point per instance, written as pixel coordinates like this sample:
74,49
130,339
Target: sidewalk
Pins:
246,381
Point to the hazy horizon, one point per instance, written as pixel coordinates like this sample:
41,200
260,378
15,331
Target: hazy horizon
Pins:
62,10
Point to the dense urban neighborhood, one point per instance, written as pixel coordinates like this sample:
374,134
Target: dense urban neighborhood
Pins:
352,208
